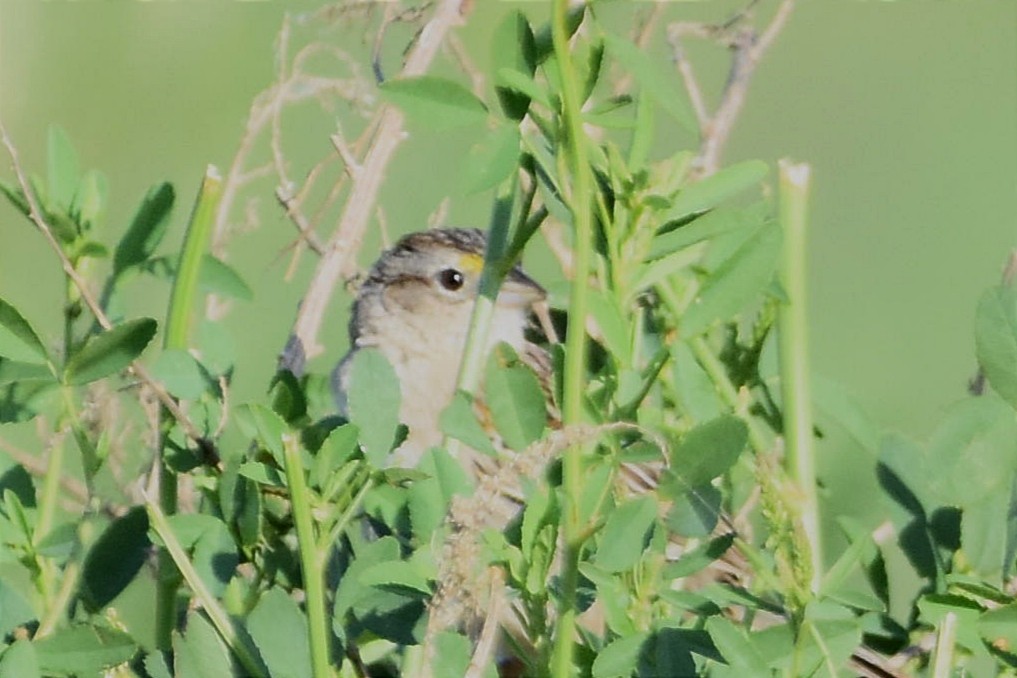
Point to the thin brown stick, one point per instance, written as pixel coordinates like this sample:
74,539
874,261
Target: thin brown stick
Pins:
345,241
37,467
35,214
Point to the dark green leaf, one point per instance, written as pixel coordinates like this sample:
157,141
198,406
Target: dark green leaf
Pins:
110,351
515,400
84,650
279,630
695,511
620,657
437,102
700,557
509,79
709,450
373,400
625,534
15,323
654,79
513,48
735,282
62,169
115,559
146,230
217,277
996,340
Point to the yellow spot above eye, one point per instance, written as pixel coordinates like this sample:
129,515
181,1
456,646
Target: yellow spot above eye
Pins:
471,263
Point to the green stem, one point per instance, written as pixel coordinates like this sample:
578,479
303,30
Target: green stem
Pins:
794,357
580,203
311,564
182,302
216,614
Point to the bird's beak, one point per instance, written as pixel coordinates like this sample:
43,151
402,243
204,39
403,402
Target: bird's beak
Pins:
520,290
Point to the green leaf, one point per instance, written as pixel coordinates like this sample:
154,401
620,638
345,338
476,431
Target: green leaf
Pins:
350,591
620,657
402,576
22,400
715,189
373,400
934,608
62,169
996,340
736,281
200,652
180,373
217,277
279,630
90,198
709,450
700,557
109,351
263,474
695,511
437,102
337,448
115,559
267,426
20,661
514,398
459,421
146,230
999,626
429,497
12,371
492,159
737,648
454,651
84,650
509,79
624,537
654,79
706,226
613,326
15,323
513,48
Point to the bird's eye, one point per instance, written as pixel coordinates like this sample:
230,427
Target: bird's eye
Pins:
451,279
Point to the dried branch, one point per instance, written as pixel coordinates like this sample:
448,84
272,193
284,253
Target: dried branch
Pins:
35,214
344,243
748,49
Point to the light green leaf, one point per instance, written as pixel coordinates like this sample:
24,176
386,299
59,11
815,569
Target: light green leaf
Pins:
620,657
84,650
515,400
713,190
700,557
459,421
263,474
373,401
492,159
278,628
706,226
736,647
437,102
180,374
267,426
20,661
109,351
62,169
999,626
12,371
200,652
613,326
15,323
654,79
736,281
996,340
337,448
512,80
624,537
90,198
218,277
402,576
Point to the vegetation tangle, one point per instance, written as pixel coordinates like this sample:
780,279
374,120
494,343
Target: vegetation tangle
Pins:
159,528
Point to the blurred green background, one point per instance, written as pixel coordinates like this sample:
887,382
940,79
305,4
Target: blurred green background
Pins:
906,110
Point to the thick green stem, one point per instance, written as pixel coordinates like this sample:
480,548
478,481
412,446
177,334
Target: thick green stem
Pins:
178,321
581,204
311,563
794,357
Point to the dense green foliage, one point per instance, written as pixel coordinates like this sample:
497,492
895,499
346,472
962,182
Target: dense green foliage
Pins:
286,548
